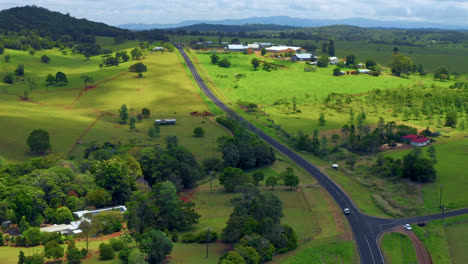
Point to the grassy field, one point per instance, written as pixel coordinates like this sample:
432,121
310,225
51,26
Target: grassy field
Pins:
70,113
451,170
457,241
310,211
398,248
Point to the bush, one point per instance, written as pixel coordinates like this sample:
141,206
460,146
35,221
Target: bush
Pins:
202,236
198,132
125,254
116,244
175,235
9,78
189,237
106,252
225,63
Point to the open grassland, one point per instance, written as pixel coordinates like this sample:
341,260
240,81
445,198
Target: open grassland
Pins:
72,114
451,170
398,248
274,92
109,43
328,251
445,244
310,211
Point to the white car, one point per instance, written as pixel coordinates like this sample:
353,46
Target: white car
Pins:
407,227
346,211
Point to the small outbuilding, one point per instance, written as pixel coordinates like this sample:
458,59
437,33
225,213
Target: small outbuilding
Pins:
158,49
420,142
333,60
364,71
304,57
166,121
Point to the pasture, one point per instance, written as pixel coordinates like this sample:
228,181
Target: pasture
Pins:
73,114
310,211
451,171
398,248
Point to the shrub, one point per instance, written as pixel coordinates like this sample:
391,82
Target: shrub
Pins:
106,252
116,244
175,235
189,237
9,78
198,132
203,235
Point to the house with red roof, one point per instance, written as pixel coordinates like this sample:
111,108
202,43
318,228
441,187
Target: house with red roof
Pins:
416,140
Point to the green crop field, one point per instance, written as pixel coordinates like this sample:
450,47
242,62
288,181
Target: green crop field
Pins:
72,114
398,248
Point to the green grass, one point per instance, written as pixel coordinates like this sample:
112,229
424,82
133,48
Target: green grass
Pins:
311,212
196,253
458,241
67,112
398,248
339,252
451,170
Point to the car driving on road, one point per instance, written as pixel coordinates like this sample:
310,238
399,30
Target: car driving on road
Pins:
346,211
407,227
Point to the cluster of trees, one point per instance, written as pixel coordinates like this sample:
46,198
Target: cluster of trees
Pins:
244,150
255,228
225,63
413,166
403,65
60,78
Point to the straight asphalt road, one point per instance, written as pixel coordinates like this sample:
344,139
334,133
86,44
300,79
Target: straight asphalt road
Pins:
366,229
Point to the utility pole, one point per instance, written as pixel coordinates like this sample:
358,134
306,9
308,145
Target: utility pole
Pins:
210,173
440,199
207,239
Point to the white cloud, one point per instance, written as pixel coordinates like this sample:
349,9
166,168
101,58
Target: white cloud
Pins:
116,12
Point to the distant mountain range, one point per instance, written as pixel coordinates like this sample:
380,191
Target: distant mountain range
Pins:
301,22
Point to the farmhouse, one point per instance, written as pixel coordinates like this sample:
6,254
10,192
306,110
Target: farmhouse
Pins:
236,47
364,71
304,57
165,121
284,49
416,140
333,60
158,49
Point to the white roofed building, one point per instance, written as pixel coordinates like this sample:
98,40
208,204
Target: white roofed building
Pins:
304,57
284,49
236,47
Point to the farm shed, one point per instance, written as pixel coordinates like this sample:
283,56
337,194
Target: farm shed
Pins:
236,47
158,49
333,60
284,49
166,121
304,57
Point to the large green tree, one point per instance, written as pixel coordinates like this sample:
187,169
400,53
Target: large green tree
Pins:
401,64
139,68
233,178
53,250
39,141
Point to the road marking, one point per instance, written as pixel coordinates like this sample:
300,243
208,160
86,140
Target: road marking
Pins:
368,244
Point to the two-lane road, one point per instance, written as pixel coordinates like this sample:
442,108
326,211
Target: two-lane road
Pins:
366,229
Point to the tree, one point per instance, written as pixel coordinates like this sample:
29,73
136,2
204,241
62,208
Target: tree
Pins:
136,257
371,63
98,198
136,53
214,59
34,259
451,118
401,64
263,51
291,180
63,215
331,48
106,252
116,244
87,230
258,176
233,178
50,79
153,132
9,78
350,60
20,70
421,70
231,155
139,117
138,68
39,141
60,78
73,254
351,160
87,55
271,181
45,59
53,250
21,257
335,137
124,254
175,235
322,120
33,236
2,49
123,113
131,123
145,112
225,63
171,142
322,62
255,63
198,132
7,58
157,245
441,74
86,80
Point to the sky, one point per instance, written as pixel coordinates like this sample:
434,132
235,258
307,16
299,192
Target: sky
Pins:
116,12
